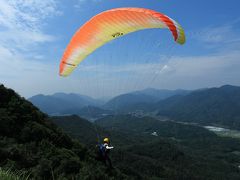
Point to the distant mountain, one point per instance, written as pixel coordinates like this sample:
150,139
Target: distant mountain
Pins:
208,106
160,94
77,99
123,101
219,106
59,103
66,104
50,104
126,102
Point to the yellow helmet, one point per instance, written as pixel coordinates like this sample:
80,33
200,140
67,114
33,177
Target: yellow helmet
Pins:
106,140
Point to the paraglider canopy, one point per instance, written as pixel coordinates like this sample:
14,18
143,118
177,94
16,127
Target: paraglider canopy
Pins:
110,25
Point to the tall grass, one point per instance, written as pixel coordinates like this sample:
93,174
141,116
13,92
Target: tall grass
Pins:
10,174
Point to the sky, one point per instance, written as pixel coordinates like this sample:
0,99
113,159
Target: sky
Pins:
35,33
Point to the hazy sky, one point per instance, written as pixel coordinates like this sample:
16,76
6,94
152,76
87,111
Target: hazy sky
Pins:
34,34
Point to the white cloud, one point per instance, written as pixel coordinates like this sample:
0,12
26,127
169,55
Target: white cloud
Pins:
22,33
189,72
22,21
201,71
225,35
26,76
28,14
214,34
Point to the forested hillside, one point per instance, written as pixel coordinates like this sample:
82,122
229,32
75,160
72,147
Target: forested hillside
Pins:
219,106
31,143
146,148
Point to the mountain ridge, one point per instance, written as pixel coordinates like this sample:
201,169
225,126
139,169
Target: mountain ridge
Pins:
213,105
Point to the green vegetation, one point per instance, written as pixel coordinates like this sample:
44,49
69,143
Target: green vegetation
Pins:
145,148
12,175
219,106
78,128
29,142
178,151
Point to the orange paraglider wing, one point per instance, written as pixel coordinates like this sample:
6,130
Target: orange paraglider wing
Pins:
110,25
